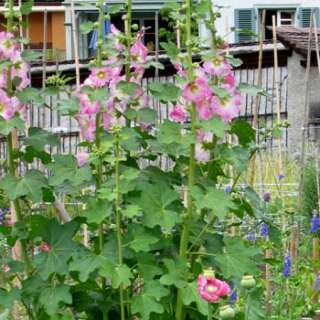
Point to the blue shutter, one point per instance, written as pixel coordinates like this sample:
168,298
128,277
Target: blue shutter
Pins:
244,19
304,16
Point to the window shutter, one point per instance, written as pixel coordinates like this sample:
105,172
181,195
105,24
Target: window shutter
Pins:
305,15
244,19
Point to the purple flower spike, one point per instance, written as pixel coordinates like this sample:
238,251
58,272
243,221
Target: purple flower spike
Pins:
266,196
228,189
264,230
287,266
315,223
233,296
281,176
317,283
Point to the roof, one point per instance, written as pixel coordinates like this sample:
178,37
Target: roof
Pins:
297,38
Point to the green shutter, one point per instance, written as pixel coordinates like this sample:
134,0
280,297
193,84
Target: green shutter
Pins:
245,19
305,15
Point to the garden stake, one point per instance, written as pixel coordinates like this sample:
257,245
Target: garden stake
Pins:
258,99
316,38
75,43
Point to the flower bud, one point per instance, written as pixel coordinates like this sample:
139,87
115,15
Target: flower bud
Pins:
248,282
226,312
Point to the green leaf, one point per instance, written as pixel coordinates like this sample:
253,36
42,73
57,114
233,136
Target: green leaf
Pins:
30,154
245,133
31,185
235,62
171,49
26,7
6,126
142,241
114,8
252,90
190,294
132,211
29,55
97,210
146,305
215,125
155,201
39,138
177,273
128,88
86,27
237,260
59,237
7,298
68,107
30,95
64,170
53,297
85,262
165,92
119,275
216,200
146,115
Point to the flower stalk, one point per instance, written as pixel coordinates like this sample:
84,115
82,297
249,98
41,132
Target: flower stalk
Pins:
128,23
192,163
118,218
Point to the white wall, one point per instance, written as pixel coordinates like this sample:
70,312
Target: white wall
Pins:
227,19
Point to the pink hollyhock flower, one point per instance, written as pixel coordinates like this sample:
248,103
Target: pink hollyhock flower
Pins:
87,126
205,108
8,105
20,70
197,91
88,107
181,72
202,155
8,47
203,136
116,33
229,107
217,67
178,114
45,247
139,53
82,158
229,82
99,77
212,289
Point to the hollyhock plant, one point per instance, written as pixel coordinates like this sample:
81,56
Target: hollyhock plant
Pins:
217,67
8,105
87,126
228,107
88,107
100,77
197,91
178,114
212,289
8,47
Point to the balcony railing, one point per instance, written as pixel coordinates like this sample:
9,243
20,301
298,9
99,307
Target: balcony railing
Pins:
38,2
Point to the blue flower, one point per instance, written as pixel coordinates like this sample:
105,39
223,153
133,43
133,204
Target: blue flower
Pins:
315,223
287,266
3,213
266,196
264,230
251,236
233,296
227,189
281,176
317,283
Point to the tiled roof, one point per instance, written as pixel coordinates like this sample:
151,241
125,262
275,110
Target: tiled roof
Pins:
297,38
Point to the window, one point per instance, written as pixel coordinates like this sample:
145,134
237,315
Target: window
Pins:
284,17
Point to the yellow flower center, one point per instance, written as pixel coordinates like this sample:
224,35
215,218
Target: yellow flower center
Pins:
210,288
217,61
101,74
7,44
193,87
1,107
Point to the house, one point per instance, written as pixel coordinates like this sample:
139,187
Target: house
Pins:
145,14
51,11
247,14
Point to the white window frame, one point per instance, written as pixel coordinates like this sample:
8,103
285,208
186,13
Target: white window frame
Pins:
293,18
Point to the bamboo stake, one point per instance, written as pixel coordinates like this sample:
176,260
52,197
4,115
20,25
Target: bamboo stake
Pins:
277,88
258,99
316,40
75,43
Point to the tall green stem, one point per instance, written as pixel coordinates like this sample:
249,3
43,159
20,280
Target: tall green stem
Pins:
98,116
192,163
118,220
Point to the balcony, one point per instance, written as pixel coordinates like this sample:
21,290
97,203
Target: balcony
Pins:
38,2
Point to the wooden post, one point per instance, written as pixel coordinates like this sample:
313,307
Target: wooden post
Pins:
75,43
316,40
